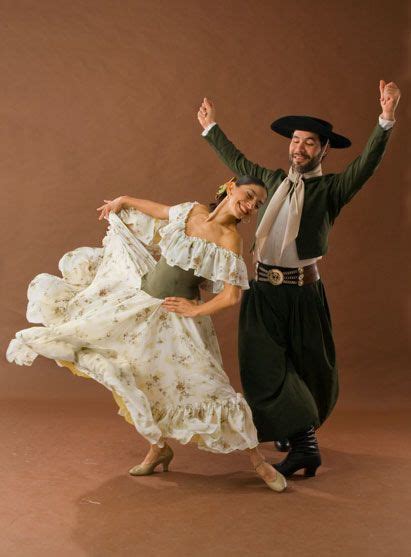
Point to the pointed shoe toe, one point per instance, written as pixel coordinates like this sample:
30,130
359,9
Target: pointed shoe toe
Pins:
279,484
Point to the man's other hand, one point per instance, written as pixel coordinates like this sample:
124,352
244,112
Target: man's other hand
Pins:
389,99
206,113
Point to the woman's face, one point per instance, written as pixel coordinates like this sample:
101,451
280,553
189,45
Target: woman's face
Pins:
245,200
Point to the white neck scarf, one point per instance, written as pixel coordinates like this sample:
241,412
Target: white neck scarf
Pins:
292,185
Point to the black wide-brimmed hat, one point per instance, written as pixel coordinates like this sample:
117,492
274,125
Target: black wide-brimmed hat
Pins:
288,124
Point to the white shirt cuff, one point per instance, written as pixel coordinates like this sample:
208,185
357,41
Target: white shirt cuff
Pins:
385,124
208,128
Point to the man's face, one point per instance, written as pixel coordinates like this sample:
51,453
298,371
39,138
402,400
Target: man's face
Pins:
305,151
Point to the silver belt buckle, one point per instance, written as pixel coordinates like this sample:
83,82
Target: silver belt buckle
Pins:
275,277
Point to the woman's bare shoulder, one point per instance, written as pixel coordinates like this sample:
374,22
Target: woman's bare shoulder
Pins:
223,236
200,208
233,241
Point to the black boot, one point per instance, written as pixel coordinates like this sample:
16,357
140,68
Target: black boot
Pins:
282,445
304,453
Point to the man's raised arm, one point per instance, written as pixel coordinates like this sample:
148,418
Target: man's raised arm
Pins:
228,153
349,182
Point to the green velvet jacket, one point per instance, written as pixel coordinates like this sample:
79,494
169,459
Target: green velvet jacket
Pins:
324,195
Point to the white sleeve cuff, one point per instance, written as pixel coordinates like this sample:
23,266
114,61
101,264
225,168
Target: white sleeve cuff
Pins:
385,124
208,128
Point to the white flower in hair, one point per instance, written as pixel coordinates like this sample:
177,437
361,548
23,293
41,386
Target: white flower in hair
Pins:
223,188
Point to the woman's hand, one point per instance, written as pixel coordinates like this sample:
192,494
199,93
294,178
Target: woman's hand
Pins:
114,205
182,306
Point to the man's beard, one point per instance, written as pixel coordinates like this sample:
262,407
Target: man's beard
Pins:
310,165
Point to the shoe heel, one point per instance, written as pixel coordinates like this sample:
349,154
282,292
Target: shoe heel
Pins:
310,471
166,463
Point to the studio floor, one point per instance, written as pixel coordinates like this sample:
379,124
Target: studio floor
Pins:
66,491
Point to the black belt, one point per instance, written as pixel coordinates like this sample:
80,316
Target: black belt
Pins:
286,275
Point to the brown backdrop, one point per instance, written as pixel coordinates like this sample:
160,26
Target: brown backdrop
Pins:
99,98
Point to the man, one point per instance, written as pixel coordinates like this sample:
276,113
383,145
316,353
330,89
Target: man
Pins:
286,348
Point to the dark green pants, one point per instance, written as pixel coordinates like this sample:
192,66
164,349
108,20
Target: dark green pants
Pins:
287,357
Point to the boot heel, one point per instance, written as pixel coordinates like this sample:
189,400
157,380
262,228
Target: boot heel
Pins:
165,465
310,471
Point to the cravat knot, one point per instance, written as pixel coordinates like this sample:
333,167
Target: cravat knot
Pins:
291,187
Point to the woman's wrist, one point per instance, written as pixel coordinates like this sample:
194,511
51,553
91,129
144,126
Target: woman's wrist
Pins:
199,311
124,199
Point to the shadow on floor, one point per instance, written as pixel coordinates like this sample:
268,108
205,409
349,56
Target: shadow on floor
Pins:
166,513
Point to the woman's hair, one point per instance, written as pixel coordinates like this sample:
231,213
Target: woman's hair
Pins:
240,181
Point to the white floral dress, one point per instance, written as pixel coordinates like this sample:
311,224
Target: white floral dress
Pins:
164,370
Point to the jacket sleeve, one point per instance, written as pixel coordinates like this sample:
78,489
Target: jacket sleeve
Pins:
233,158
345,185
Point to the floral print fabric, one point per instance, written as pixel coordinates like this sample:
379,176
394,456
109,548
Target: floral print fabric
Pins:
166,369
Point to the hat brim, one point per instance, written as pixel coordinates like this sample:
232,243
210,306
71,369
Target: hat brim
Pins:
287,125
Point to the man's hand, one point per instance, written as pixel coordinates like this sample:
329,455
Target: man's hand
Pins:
182,306
206,113
389,99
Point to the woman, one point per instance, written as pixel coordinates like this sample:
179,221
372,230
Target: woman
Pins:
137,325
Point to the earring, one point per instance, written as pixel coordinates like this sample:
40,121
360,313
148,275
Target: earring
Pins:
246,220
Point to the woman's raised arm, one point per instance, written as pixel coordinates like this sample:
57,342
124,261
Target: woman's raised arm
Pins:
151,208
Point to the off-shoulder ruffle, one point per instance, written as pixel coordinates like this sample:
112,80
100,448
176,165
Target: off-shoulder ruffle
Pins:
143,227
215,263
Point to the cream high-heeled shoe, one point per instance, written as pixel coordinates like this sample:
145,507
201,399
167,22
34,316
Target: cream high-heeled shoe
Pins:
146,469
279,484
